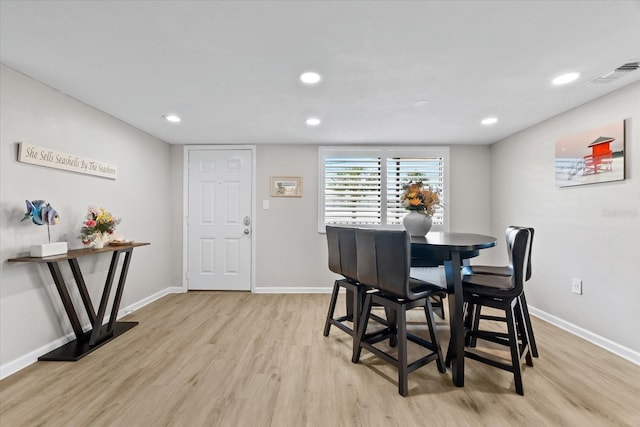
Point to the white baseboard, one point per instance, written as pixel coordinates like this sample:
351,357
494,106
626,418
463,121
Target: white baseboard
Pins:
32,357
615,348
293,290
148,300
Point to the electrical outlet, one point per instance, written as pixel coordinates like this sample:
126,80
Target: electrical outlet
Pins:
576,286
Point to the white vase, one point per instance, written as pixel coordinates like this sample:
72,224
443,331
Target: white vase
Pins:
417,224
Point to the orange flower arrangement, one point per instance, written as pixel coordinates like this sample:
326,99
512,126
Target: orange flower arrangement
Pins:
417,198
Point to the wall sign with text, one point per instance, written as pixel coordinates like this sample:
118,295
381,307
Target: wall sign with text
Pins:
35,155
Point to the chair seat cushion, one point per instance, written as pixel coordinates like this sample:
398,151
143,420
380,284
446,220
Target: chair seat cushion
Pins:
487,269
488,285
419,288
422,289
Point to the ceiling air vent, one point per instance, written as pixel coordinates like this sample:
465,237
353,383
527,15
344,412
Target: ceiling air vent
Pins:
614,75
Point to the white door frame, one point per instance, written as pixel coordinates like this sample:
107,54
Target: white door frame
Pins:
185,206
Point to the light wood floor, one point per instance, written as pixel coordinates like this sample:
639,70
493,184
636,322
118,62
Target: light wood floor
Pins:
239,359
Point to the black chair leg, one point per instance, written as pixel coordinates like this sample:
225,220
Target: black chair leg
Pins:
447,359
431,323
527,322
403,381
475,325
350,299
515,351
439,303
332,308
362,328
523,333
357,310
470,324
392,321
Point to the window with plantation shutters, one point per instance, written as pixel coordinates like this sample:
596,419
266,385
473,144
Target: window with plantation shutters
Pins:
352,190
362,186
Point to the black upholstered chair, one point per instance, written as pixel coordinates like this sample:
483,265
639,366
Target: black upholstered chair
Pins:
341,243
506,271
384,259
502,292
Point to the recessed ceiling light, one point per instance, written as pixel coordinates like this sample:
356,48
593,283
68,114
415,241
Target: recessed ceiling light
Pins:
420,103
313,121
565,78
172,118
310,78
489,121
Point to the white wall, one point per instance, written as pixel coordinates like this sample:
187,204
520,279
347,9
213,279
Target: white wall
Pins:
31,315
470,209
588,232
290,251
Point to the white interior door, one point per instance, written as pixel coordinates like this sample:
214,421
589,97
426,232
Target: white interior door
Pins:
219,220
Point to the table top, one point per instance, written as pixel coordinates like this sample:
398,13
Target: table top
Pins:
464,242
77,253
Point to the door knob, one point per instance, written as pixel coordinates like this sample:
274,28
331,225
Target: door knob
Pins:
246,231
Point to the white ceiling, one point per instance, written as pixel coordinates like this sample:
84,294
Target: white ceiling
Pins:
230,69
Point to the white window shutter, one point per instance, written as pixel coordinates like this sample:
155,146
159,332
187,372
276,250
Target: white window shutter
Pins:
402,170
352,190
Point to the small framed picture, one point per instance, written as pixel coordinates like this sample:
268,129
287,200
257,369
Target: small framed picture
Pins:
286,186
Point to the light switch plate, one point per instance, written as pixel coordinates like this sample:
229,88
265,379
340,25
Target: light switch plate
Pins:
576,286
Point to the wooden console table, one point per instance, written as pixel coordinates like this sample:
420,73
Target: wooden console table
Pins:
99,334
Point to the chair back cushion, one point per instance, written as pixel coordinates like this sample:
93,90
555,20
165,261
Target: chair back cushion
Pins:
531,231
393,261
384,261
366,257
528,275
348,256
519,239
333,246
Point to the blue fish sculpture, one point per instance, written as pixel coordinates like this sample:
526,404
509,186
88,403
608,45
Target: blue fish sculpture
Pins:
41,213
